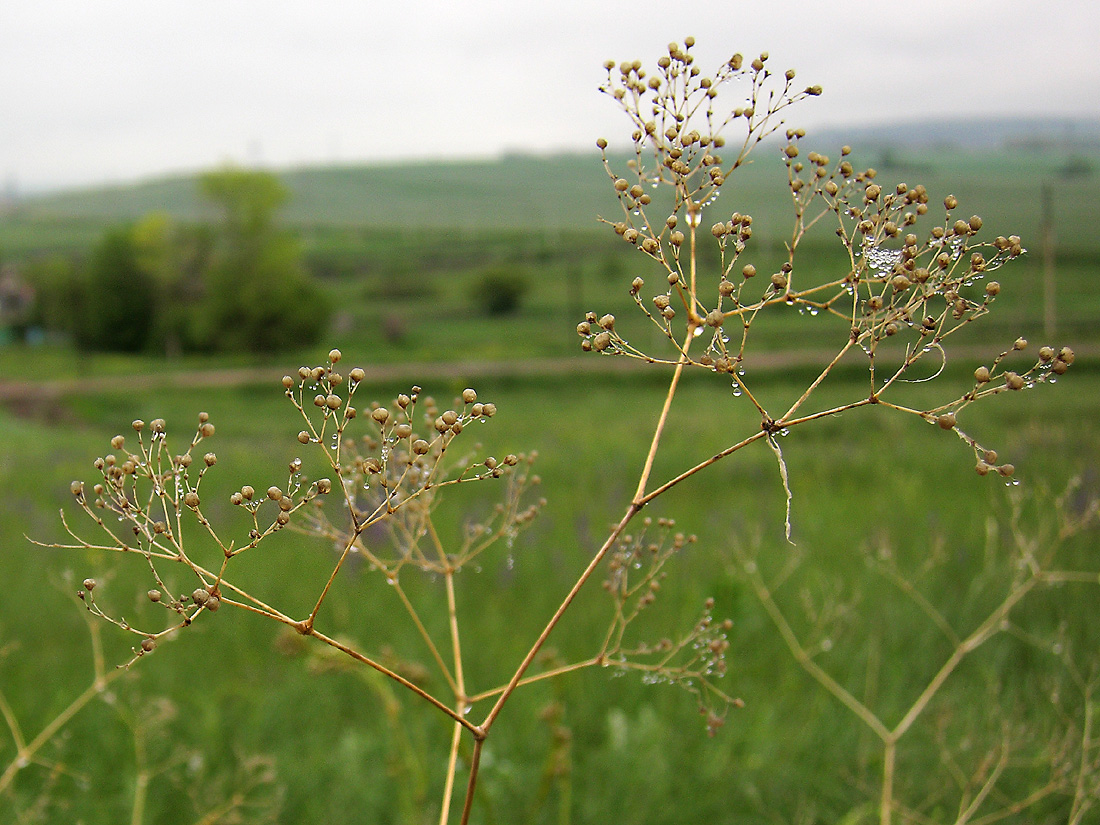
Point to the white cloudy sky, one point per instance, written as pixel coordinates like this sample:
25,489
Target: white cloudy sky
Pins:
101,90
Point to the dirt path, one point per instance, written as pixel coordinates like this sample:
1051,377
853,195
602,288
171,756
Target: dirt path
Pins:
22,392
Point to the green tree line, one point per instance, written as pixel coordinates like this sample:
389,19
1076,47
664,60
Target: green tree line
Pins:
156,285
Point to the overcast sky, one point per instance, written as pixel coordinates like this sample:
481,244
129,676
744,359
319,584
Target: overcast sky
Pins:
108,90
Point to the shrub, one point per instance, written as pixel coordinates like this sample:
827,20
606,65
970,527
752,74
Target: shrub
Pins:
499,291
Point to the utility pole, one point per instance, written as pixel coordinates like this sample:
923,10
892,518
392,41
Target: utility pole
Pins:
1046,230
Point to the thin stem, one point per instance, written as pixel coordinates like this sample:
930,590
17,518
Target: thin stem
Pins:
886,801
548,674
631,511
459,687
659,430
385,671
475,761
452,766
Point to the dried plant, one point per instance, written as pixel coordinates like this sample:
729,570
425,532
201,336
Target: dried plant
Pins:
980,770
378,471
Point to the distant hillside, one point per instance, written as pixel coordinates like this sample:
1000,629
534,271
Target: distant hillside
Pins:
999,165
1068,135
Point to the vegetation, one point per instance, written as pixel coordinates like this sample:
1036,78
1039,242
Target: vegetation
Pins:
370,711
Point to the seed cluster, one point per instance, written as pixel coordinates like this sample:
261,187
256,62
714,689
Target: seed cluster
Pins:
392,472
916,273
151,491
692,661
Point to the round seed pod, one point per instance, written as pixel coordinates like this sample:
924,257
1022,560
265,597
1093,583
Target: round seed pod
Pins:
200,596
274,493
981,375
191,499
147,645
946,421
138,425
303,437
380,414
212,604
154,595
1066,354
210,459
207,430
89,584
247,491
420,446
950,202
992,289
469,396
333,402
288,382
1014,381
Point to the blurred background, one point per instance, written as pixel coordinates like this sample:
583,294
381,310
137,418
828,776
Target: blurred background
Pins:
196,198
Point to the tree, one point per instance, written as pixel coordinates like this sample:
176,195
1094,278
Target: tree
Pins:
257,293
116,307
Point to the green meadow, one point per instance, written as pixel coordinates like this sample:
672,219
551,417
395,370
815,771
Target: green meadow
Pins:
238,717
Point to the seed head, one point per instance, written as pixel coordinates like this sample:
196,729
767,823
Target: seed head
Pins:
946,421
334,355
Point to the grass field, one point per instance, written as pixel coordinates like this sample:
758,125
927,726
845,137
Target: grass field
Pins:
856,481
236,706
